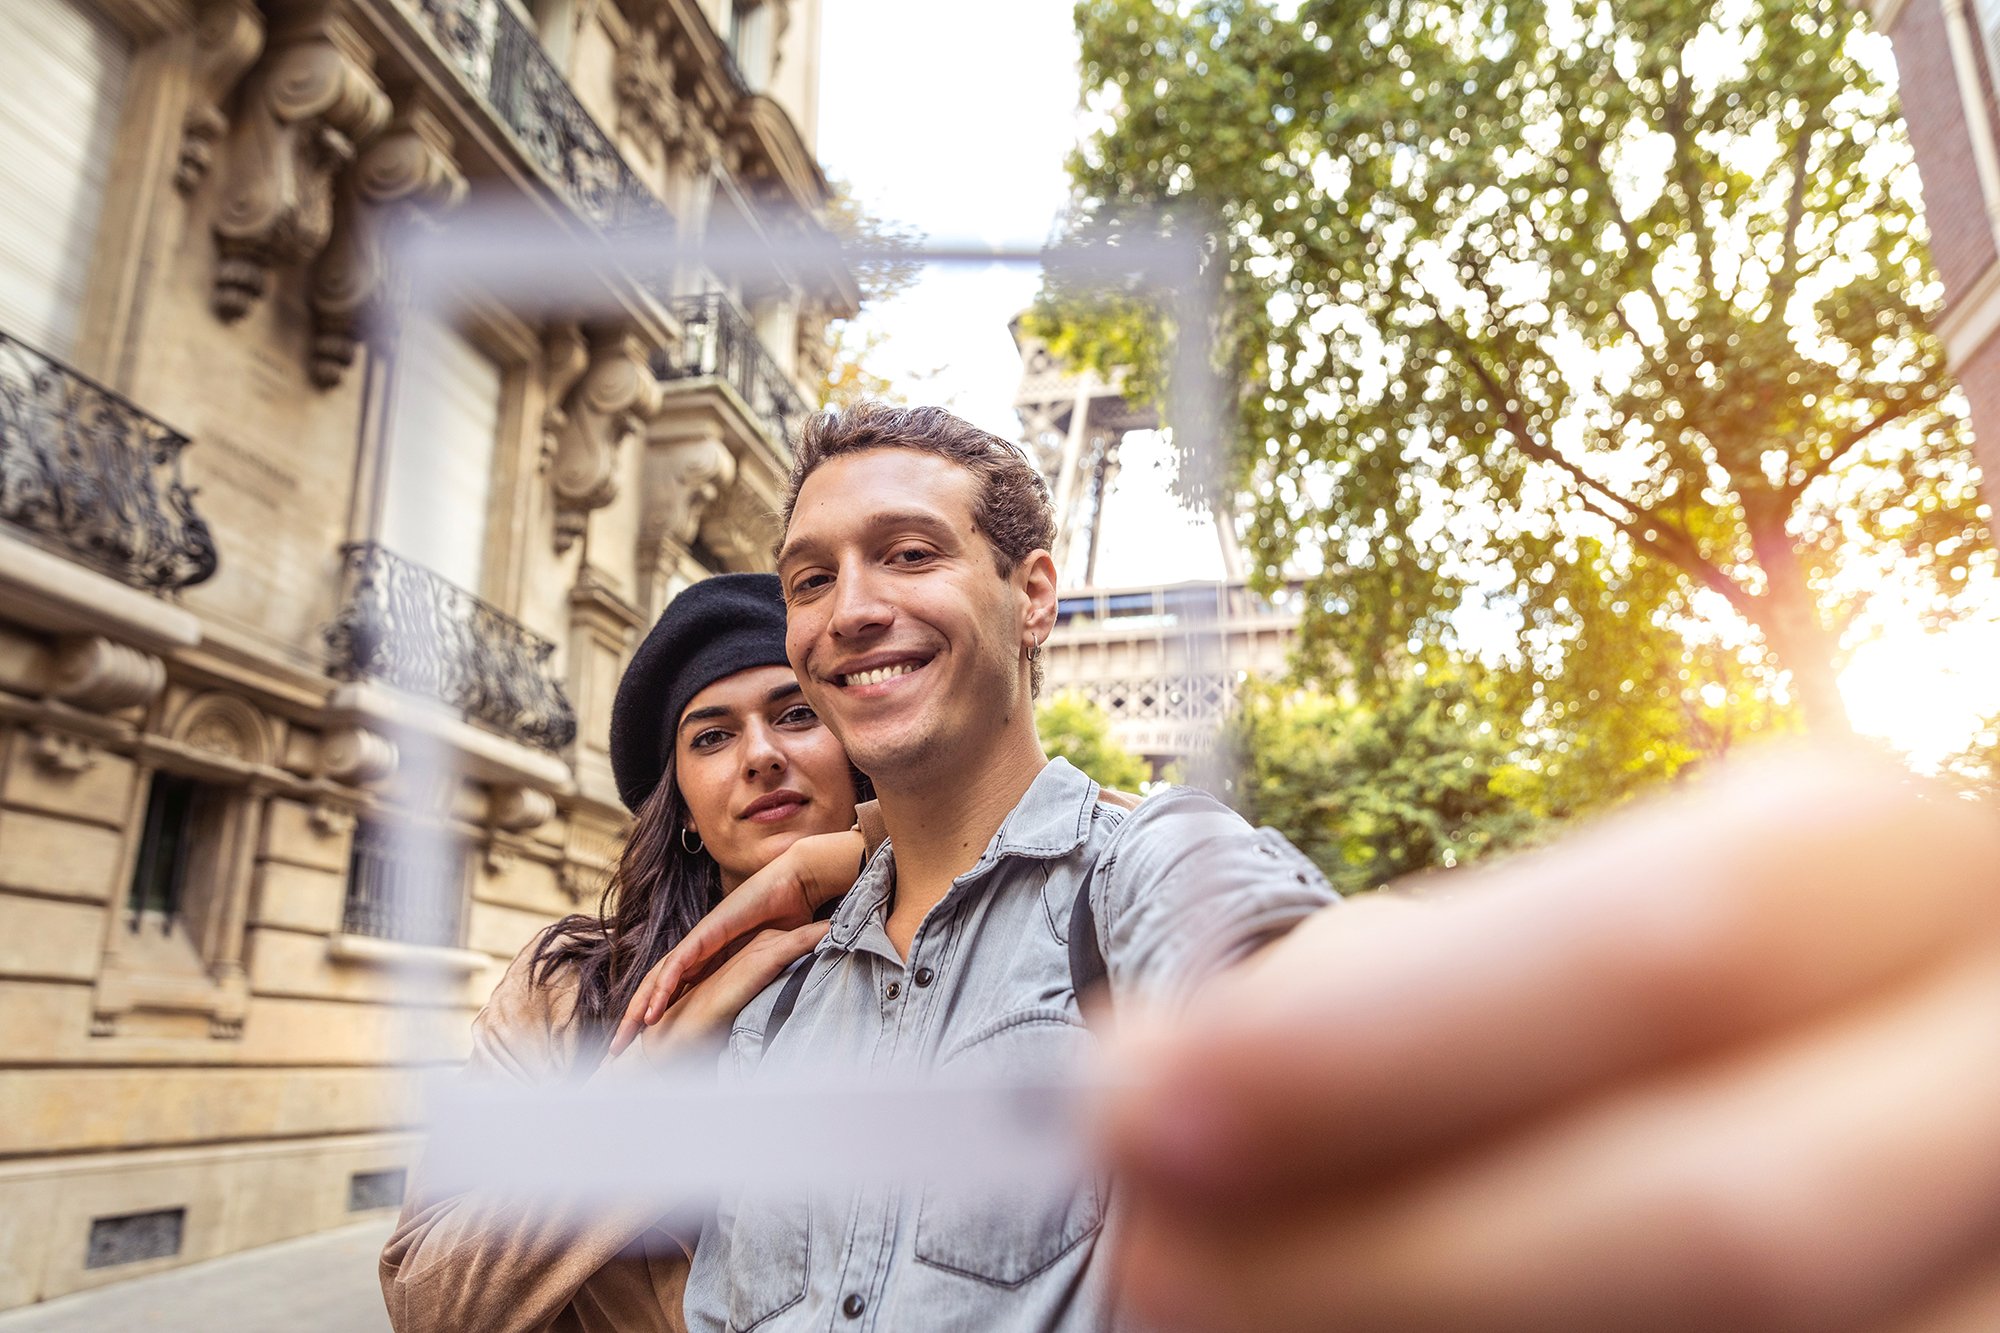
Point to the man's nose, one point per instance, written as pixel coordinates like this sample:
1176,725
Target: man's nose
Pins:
858,606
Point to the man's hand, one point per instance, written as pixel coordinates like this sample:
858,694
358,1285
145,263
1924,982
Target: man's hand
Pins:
1731,1061
782,896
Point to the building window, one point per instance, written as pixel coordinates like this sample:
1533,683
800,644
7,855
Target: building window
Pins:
750,41
405,882
178,849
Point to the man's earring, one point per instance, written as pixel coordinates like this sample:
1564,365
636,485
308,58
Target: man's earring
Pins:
697,848
1034,649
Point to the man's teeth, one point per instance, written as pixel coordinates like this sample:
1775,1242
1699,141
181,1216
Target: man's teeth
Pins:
880,674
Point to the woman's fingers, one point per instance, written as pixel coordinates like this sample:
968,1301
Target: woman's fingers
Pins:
1831,1179
1372,1041
716,999
639,1009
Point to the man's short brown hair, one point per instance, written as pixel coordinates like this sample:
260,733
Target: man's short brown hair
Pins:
1012,511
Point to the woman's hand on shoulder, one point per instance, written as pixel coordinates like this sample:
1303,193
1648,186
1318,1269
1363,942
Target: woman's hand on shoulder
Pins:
781,897
708,1005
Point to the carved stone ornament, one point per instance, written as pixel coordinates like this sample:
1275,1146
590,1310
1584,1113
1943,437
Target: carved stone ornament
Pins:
683,479
305,107
354,755
518,809
407,170
608,408
228,38
225,726
64,756
649,113
330,820
565,356
104,675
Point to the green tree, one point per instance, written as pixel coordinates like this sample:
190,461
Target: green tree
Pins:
1606,317
889,270
1076,729
1373,792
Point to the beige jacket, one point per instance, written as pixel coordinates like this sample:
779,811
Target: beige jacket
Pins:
460,1262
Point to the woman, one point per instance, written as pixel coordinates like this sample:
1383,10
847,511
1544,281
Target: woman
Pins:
724,768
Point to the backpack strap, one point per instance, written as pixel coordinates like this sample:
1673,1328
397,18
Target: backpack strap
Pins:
788,999
1087,968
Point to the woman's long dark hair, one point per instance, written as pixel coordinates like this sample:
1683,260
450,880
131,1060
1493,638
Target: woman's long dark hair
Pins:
657,891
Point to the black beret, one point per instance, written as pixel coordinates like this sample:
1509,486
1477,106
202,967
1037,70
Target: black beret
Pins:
716,628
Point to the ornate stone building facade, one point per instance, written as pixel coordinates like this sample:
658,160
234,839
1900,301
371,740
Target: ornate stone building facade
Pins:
1947,53
227,584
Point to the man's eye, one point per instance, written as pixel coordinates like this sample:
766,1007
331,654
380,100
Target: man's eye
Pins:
806,583
911,555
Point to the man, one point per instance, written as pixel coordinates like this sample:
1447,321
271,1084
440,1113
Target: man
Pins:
919,588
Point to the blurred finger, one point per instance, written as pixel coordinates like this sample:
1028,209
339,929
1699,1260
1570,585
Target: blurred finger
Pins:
1970,1305
1823,1183
1766,898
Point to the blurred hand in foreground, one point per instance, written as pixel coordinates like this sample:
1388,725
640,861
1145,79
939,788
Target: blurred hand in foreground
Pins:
1730,1061
781,897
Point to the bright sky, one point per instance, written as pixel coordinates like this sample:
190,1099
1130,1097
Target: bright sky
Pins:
955,120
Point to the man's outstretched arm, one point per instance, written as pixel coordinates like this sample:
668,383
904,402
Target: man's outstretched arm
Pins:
1731,1061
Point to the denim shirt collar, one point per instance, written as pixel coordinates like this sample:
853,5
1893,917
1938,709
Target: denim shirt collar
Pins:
1051,820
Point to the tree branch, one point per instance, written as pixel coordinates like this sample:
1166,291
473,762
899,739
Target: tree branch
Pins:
1853,440
1647,529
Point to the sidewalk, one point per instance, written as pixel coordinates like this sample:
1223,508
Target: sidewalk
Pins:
315,1284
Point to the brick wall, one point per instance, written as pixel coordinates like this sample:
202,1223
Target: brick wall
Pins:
1961,235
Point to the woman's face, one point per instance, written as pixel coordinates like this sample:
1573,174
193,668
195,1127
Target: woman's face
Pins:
759,770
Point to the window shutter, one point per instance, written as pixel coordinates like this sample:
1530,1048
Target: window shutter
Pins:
62,68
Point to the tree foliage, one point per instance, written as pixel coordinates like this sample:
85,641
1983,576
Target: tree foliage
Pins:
1421,778
886,268
1073,728
1605,319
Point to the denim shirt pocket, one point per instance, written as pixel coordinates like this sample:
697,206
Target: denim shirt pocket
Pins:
1008,1233
770,1255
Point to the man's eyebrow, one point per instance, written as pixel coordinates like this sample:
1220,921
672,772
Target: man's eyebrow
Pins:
926,519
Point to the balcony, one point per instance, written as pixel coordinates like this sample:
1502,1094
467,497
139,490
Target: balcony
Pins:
502,58
90,475
718,342
402,625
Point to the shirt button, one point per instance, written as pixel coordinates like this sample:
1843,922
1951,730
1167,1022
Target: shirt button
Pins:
925,976
853,1305
893,989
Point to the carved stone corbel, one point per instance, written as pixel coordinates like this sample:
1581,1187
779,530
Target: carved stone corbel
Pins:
408,169
104,675
649,113
355,755
609,406
684,478
518,809
228,38
565,356
63,755
305,108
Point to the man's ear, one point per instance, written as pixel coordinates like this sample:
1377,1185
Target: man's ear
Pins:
1037,575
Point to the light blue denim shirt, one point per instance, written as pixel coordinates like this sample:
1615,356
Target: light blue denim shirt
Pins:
1186,889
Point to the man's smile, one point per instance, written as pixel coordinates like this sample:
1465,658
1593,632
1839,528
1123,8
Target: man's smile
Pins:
871,674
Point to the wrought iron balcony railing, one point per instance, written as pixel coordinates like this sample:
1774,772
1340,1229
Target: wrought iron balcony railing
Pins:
88,473
401,624
503,60
409,887
717,340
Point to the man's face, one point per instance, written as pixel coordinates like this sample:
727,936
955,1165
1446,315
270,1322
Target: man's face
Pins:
906,638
